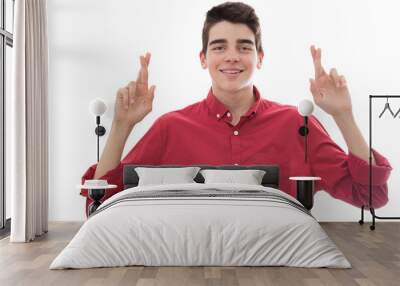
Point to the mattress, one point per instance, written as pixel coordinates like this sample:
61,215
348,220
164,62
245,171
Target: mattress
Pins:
201,225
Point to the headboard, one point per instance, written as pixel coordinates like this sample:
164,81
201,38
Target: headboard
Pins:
270,179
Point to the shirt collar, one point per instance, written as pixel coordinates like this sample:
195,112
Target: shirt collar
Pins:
218,109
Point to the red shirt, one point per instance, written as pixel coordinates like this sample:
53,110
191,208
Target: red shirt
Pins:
201,133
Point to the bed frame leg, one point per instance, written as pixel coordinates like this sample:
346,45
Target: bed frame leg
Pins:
361,221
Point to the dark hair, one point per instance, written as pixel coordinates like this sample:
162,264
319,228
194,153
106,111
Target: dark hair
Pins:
234,12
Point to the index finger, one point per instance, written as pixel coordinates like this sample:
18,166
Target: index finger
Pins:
316,54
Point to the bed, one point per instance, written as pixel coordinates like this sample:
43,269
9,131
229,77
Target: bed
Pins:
201,224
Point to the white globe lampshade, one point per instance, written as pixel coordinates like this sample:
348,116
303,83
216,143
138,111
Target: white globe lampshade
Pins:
305,107
97,107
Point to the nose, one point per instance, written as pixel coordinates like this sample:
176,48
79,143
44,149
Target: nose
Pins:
232,56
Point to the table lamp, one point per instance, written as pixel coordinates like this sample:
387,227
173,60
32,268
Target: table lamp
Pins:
305,108
97,107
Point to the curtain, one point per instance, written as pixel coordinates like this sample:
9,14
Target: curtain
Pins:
29,122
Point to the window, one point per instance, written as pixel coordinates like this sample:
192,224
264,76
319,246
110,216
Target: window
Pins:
6,44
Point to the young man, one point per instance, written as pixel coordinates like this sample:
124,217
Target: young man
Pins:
234,125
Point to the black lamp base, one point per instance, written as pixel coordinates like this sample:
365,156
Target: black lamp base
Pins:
303,131
100,130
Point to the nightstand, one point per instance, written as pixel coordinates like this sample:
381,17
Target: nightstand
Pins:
96,191
305,190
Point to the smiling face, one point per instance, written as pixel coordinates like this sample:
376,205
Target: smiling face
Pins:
231,56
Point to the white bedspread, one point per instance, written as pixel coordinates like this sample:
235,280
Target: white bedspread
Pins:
177,231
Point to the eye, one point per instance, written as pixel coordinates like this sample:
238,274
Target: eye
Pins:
246,48
218,48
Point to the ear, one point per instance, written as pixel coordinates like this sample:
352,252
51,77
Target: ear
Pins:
203,60
260,59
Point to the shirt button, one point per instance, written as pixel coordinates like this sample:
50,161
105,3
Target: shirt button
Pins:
218,115
236,164
228,114
236,132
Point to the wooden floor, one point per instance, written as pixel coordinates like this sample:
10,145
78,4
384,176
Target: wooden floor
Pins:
374,255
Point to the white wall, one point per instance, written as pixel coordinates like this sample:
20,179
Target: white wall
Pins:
95,47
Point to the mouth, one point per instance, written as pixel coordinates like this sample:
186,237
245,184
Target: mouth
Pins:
231,71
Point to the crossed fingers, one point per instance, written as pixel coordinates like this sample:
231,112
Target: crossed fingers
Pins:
339,80
143,75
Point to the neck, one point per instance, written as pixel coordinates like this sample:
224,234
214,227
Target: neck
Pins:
238,102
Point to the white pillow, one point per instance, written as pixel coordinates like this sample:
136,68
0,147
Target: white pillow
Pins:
162,176
249,177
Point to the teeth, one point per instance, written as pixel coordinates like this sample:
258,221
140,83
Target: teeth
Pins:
230,71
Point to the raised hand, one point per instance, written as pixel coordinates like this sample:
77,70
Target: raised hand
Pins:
329,91
135,101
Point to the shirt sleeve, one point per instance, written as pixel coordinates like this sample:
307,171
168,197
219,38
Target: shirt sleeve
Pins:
346,176
147,151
